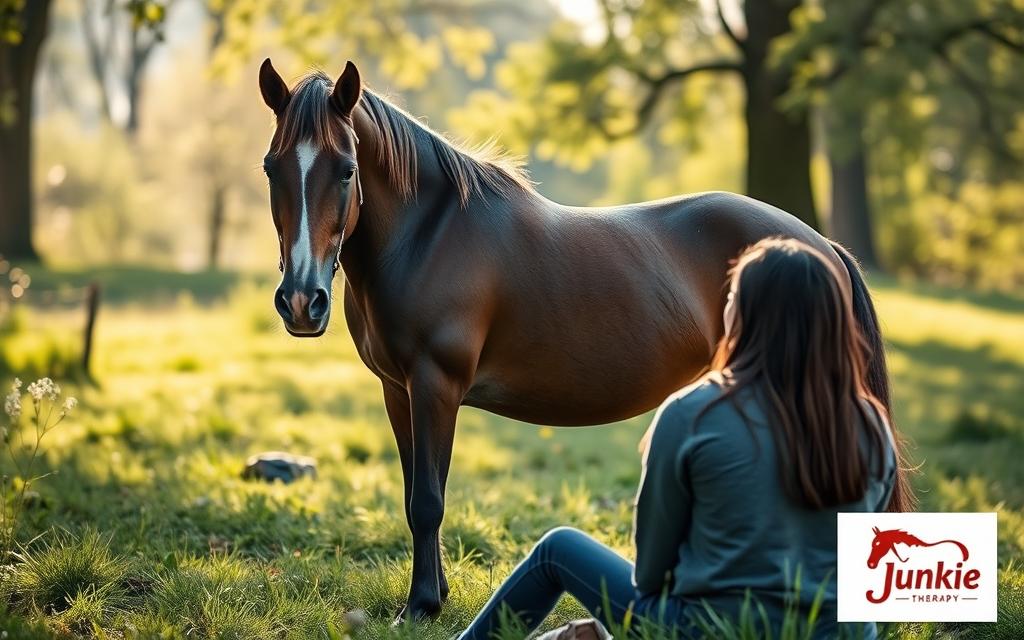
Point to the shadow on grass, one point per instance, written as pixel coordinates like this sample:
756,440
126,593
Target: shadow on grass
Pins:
992,300
123,284
964,413
946,382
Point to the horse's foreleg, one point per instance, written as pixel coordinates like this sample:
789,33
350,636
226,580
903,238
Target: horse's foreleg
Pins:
434,403
396,401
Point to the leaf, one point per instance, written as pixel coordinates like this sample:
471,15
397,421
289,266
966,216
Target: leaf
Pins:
170,561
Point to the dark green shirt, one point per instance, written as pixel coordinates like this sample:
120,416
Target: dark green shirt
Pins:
713,520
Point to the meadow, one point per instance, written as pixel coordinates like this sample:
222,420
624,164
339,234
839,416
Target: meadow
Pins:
146,529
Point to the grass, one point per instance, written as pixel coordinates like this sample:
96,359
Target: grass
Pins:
148,530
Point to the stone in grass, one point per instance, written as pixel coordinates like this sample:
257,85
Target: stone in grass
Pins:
279,466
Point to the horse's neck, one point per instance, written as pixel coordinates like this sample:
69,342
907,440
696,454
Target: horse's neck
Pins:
385,214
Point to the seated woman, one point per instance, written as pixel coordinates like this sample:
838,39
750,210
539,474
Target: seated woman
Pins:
744,470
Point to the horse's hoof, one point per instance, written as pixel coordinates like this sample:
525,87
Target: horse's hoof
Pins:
417,612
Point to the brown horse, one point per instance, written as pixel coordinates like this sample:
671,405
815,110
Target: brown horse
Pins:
464,286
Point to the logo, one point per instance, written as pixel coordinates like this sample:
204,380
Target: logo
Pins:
916,567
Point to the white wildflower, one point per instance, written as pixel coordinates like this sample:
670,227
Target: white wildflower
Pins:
12,403
44,388
70,403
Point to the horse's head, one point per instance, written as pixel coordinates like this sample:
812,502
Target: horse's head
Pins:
315,190
881,545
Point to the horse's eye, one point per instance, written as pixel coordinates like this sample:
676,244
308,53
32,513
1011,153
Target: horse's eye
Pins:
346,174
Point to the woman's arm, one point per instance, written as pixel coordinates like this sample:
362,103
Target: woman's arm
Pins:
662,516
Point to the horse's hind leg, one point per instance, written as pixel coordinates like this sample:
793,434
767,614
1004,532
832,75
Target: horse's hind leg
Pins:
434,400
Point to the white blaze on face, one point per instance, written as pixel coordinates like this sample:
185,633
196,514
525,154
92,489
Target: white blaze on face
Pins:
302,250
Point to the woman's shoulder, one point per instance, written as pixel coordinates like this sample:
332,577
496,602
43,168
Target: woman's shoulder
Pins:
692,401
697,394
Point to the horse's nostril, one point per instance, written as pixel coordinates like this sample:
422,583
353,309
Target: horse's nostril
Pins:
282,306
319,304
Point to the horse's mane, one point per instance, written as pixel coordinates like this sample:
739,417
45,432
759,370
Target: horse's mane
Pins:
906,538
470,170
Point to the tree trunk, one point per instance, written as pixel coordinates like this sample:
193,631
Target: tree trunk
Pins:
778,143
18,64
138,55
217,208
850,222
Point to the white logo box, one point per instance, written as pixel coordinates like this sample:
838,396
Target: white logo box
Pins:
920,556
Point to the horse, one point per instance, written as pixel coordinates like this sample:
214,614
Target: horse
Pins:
464,286
886,541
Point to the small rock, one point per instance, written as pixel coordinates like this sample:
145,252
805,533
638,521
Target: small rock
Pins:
355,619
278,465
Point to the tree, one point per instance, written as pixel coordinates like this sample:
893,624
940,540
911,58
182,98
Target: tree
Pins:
854,59
583,92
23,28
120,45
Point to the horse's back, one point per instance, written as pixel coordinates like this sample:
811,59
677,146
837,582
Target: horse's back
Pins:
707,231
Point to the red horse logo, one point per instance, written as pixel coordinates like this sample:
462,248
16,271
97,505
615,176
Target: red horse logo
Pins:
886,541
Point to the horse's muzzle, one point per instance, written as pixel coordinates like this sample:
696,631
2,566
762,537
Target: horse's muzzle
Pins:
305,314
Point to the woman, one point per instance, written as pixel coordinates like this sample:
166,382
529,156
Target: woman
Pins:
744,470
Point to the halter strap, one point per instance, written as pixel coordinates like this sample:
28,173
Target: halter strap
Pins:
359,194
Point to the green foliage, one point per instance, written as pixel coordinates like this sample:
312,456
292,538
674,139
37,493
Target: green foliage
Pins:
571,94
929,90
973,235
22,628
10,21
408,41
73,575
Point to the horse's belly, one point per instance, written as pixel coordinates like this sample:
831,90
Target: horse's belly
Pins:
562,389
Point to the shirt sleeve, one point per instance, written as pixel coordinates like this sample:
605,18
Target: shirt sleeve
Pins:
662,517
890,464
889,482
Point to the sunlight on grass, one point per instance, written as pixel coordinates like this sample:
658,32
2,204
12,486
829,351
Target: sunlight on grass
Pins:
181,545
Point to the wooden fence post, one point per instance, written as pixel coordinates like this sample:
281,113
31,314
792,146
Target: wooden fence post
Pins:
92,305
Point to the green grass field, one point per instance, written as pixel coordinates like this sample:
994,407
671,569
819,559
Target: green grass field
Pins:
147,530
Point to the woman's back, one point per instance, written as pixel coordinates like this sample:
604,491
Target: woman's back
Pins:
742,529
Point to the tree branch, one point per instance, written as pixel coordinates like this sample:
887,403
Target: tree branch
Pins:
99,55
988,29
471,8
736,39
979,93
656,86
858,38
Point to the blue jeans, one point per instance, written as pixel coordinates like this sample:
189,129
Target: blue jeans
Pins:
569,561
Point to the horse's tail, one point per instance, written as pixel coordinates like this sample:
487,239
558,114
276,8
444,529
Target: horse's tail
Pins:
878,372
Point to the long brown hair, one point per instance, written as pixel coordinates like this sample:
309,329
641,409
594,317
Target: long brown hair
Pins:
791,333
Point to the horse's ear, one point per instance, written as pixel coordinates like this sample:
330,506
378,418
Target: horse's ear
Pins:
875,529
347,90
275,91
